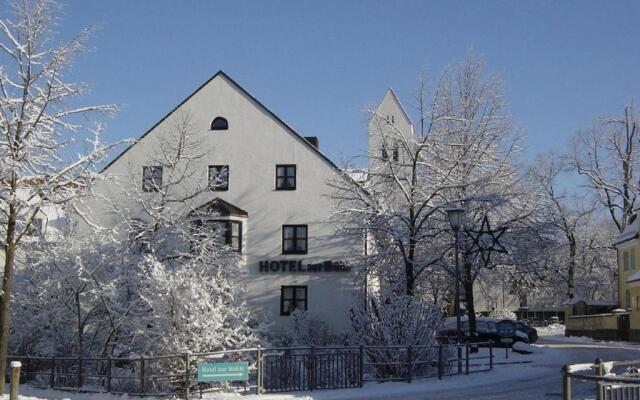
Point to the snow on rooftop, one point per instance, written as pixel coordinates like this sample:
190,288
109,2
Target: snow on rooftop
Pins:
358,175
630,232
634,277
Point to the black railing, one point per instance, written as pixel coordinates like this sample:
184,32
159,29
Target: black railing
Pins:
270,370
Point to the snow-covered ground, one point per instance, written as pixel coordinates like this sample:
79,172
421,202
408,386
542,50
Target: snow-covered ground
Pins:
526,377
515,367
551,330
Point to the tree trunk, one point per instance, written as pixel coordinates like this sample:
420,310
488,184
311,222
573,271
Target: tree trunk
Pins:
80,326
571,273
5,298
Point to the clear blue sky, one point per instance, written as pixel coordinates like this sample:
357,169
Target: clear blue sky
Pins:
319,64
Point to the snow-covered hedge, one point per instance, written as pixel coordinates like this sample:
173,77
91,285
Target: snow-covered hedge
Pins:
393,321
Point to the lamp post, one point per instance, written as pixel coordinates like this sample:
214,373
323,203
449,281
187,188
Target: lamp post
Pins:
455,220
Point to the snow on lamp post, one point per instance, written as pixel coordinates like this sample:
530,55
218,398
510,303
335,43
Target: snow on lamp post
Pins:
455,220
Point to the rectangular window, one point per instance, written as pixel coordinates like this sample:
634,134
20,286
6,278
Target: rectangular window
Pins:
151,178
632,259
625,260
396,154
384,155
294,239
292,298
219,177
286,177
227,232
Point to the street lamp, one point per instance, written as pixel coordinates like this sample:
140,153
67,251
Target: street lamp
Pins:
455,220
455,217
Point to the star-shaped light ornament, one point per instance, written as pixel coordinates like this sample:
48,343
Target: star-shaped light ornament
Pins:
486,241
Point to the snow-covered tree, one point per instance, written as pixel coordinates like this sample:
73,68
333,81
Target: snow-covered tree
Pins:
398,320
46,154
582,251
465,153
607,156
178,266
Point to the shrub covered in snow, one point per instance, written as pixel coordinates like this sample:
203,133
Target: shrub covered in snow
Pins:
397,320
307,329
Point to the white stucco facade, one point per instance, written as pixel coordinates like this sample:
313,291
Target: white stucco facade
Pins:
254,143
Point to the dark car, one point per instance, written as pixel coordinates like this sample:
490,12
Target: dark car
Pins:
531,332
485,330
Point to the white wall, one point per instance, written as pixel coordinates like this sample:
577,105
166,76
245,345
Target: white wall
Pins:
253,145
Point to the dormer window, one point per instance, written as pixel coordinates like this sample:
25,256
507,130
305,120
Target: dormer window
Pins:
219,124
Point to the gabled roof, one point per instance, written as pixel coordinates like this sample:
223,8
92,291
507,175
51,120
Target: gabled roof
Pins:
258,103
219,207
394,97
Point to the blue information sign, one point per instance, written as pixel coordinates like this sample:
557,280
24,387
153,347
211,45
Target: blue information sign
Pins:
223,371
506,328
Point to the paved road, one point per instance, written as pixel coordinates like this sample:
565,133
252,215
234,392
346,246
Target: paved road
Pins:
545,381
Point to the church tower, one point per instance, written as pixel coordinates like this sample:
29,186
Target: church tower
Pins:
390,129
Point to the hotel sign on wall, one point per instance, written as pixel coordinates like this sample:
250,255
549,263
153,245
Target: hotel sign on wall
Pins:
300,266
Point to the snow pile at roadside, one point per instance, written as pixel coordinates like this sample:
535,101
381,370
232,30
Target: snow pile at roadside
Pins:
525,348
551,330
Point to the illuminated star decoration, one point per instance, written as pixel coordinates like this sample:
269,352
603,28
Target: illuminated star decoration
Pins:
486,241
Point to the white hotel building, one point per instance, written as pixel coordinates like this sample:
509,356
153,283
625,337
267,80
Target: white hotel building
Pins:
274,199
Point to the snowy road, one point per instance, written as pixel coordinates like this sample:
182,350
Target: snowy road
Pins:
544,380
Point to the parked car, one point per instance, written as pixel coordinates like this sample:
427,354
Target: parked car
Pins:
532,333
486,330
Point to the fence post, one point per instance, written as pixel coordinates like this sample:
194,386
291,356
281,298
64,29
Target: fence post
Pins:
599,372
312,368
25,370
79,372
141,376
259,371
566,383
109,374
15,380
440,361
187,372
491,354
361,366
410,363
459,350
52,378
467,358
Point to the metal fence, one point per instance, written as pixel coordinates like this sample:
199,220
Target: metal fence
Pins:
614,380
270,369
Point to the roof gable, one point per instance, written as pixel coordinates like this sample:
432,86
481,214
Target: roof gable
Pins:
390,98
220,74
